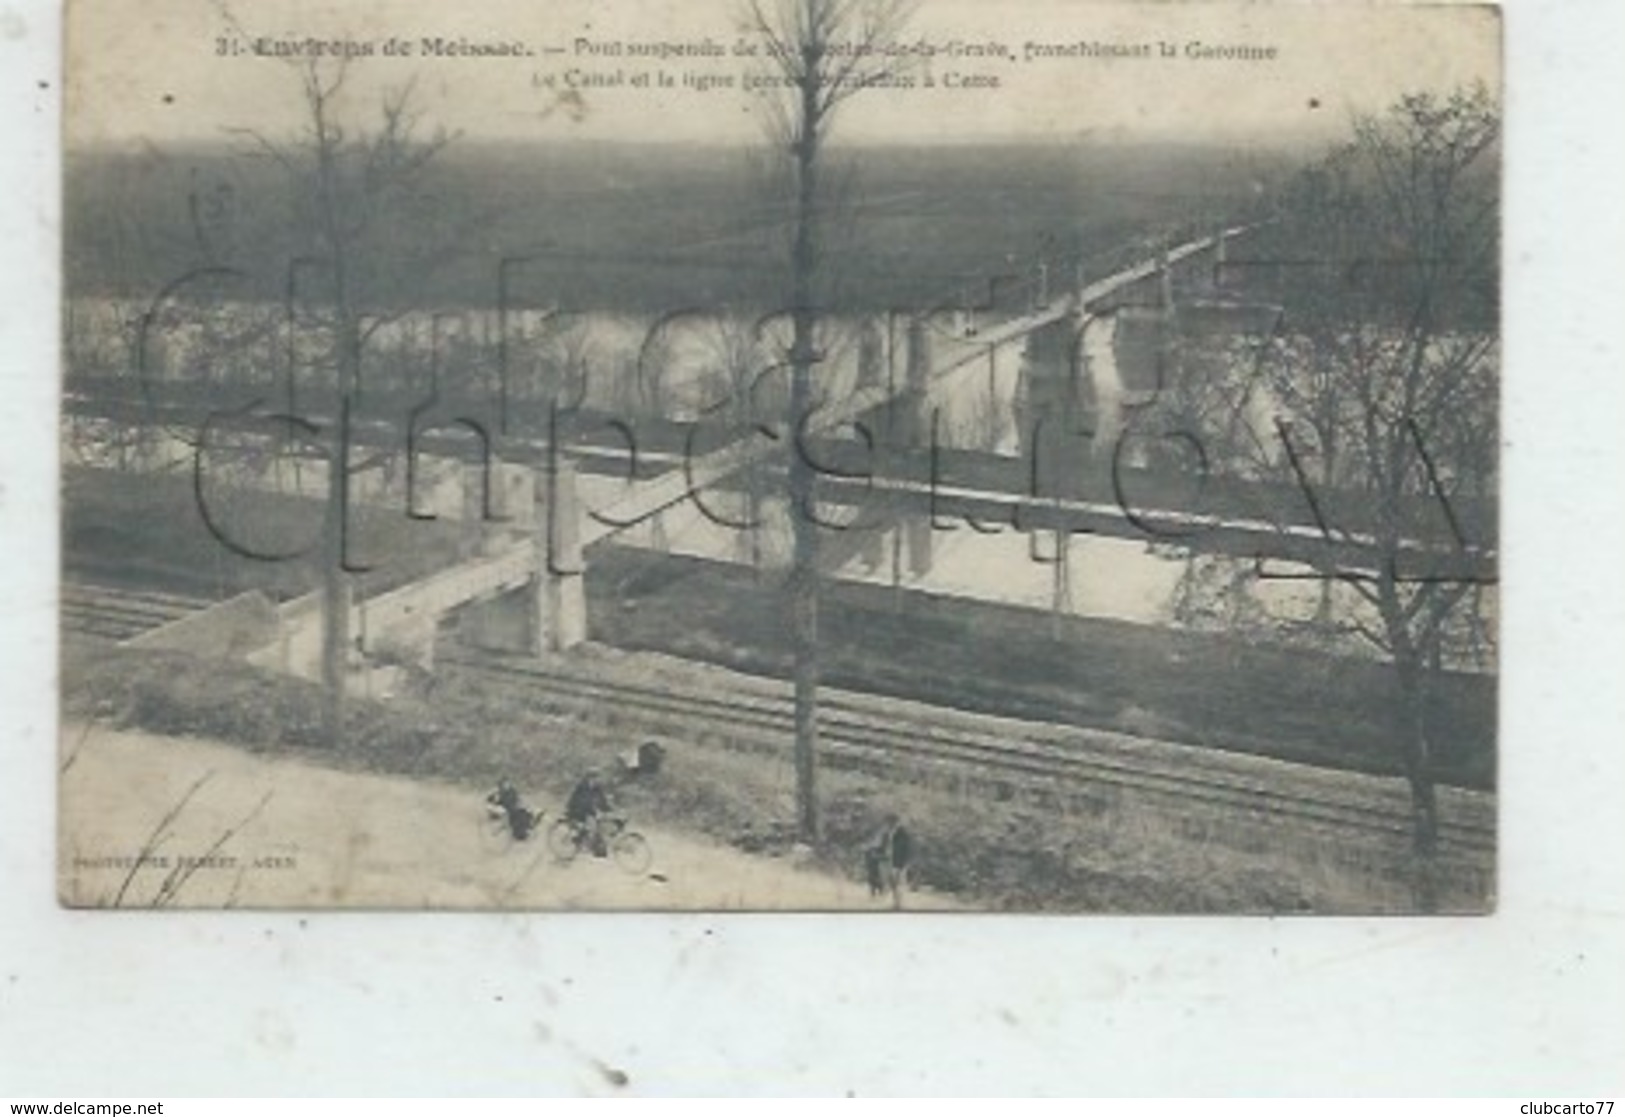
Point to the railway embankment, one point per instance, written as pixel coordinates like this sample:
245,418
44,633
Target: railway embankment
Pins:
1120,826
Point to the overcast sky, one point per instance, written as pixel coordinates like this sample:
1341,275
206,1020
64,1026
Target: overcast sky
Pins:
151,71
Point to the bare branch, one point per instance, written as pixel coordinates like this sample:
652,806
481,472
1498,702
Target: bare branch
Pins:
177,879
159,832
78,747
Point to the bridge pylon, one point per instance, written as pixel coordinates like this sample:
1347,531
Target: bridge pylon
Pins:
915,413
558,604
540,513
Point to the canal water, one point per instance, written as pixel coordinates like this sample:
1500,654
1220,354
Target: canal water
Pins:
691,365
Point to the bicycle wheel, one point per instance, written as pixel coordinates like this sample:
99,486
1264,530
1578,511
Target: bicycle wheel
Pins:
561,840
495,835
631,851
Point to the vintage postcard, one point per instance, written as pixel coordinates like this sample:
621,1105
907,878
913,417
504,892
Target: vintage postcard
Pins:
855,455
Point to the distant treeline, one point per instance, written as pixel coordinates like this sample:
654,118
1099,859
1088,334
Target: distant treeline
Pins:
613,227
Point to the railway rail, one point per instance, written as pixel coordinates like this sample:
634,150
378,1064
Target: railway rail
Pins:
933,745
117,614
921,743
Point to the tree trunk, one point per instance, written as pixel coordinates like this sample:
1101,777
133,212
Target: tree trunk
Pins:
336,590
803,596
1412,717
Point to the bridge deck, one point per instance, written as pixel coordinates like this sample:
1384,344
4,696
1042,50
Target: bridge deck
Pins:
669,490
1192,528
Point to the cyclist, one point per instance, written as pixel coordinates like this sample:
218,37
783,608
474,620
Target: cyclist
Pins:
521,819
589,803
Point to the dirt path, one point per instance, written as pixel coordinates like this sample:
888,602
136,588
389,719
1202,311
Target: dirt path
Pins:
301,835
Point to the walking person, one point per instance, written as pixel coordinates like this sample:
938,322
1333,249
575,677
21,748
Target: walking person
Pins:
888,860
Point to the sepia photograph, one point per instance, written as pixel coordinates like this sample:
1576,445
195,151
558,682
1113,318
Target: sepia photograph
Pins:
781,455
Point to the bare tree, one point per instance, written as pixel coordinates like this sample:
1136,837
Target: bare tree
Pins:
359,195
820,54
1372,407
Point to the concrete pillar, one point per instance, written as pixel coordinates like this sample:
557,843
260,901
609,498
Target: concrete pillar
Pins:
916,403
513,496
872,551
1096,399
1061,588
512,505
1060,407
871,357
917,374
559,590
471,528
917,544
437,488
1056,382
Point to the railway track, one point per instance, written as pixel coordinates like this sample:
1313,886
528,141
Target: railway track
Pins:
118,614
922,743
938,746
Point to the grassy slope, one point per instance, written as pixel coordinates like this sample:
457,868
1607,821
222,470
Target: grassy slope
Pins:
145,530
1009,855
1198,688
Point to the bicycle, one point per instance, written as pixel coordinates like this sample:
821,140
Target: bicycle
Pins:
627,848
496,830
